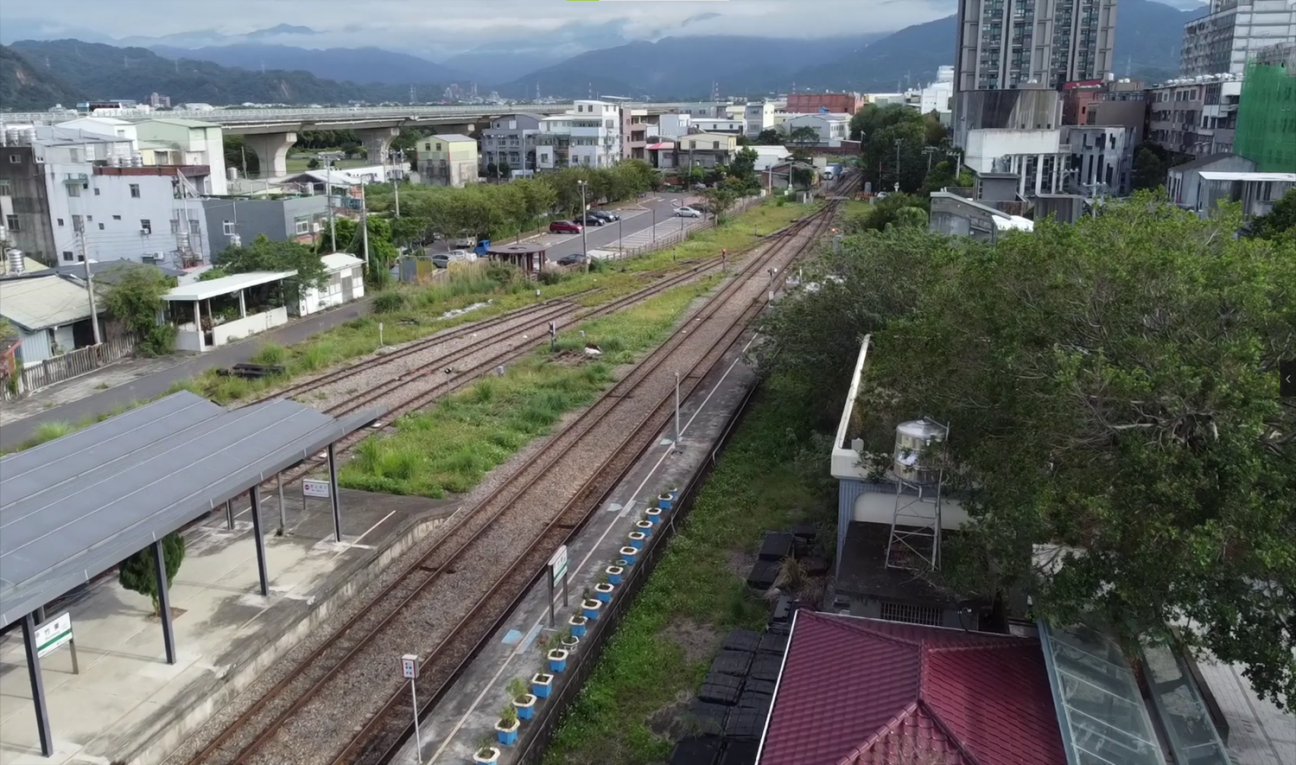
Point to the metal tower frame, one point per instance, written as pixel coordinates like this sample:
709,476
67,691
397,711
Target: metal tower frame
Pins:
916,522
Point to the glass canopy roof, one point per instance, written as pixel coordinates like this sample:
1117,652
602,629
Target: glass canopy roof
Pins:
1179,705
1100,709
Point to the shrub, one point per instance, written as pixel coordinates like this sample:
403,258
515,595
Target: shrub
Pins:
137,572
388,302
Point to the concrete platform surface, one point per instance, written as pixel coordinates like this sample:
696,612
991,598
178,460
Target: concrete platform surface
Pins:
470,710
127,703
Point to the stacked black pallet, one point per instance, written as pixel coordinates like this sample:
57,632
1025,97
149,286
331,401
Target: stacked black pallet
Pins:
779,546
724,724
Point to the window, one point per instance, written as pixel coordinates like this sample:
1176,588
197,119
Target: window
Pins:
67,256
301,226
96,192
5,189
11,221
715,144
60,221
74,190
77,225
438,147
15,159
175,225
116,217
146,226
134,189
195,228
227,228
101,227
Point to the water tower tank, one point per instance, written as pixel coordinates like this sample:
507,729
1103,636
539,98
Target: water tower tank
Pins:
136,160
13,136
182,240
231,173
28,135
917,451
16,262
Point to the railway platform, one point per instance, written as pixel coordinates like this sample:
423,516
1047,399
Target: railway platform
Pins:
125,703
468,712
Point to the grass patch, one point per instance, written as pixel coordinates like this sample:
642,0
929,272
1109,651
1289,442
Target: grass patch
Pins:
450,447
770,476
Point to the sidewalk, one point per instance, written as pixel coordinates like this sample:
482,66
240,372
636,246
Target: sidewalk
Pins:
135,380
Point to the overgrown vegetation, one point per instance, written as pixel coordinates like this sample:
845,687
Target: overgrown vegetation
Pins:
1113,389
135,299
771,475
265,255
452,445
138,573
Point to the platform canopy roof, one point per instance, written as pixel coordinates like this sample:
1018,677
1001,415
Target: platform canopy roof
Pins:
75,507
225,285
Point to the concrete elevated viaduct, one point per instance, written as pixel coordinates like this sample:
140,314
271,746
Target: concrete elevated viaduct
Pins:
271,133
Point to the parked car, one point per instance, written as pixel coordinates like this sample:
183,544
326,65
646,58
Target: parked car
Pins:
564,227
572,259
444,259
687,212
464,242
590,219
606,215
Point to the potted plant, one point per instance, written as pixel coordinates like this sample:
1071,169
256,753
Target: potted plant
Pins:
613,574
541,684
569,642
644,527
486,753
637,540
603,592
653,515
590,608
522,700
665,500
506,729
557,660
628,554
576,625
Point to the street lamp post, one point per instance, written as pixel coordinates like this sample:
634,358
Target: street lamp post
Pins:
583,222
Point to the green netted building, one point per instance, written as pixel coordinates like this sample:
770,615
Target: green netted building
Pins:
1266,121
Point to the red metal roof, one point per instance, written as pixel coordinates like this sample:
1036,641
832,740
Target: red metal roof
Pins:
866,692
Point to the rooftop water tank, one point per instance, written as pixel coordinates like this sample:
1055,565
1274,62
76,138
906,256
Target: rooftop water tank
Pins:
15,259
917,451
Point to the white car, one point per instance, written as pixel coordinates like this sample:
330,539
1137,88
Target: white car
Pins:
687,212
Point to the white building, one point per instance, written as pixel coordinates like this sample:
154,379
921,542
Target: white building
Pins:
1223,40
704,109
720,125
768,156
759,116
589,135
938,96
832,129
196,143
1038,158
112,127
346,283
1102,158
671,127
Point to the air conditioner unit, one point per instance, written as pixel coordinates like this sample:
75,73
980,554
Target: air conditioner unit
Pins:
146,231
316,227
154,256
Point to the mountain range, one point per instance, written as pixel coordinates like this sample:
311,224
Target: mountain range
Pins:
36,74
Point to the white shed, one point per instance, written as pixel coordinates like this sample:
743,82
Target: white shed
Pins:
345,283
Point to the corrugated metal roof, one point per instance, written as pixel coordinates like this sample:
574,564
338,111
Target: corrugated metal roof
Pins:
337,261
859,691
41,302
75,507
454,138
224,285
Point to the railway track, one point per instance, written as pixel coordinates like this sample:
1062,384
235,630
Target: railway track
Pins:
339,704
505,342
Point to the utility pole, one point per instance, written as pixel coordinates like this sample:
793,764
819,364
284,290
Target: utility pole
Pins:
583,226
930,151
328,198
400,165
89,280
364,225
898,143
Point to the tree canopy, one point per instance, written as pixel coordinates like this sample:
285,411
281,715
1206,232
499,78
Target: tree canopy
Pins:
265,255
878,128
1113,392
1279,222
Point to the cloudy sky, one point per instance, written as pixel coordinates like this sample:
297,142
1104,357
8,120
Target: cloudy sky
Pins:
449,26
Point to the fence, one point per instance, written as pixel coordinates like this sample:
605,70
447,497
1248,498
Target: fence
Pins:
79,362
670,240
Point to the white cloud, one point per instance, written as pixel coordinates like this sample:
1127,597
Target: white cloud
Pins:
448,26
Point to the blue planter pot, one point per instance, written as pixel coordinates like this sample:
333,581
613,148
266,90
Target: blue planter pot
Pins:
665,501
591,614
637,540
654,515
629,555
557,665
526,712
614,578
541,690
645,528
507,737
577,627
604,595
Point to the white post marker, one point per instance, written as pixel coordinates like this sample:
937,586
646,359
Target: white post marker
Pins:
53,635
410,671
677,412
557,568
317,489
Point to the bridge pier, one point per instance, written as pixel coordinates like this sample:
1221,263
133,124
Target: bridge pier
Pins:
272,150
377,141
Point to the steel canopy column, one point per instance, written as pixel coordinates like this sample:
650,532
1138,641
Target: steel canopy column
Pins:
37,685
333,495
164,601
255,495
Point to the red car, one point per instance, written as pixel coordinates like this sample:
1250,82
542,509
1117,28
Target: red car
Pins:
564,227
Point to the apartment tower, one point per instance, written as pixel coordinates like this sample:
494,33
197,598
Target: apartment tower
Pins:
1006,44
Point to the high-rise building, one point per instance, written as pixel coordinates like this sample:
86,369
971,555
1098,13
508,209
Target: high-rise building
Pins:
1004,44
1222,41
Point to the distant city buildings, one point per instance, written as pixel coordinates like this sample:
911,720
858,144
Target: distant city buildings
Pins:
1234,30
1005,44
159,102
836,103
588,135
448,160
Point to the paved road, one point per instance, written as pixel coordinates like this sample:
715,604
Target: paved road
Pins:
157,383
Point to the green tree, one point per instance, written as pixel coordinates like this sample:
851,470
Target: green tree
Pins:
505,170
134,298
1112,390
492,170
743,166
313,164
1279,222
1149,169
885,212
802,177
138,572
804,137
265,255
238,154
769,137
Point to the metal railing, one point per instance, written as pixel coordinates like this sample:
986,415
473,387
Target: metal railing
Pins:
678,237
76,363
